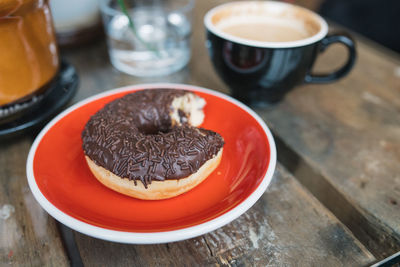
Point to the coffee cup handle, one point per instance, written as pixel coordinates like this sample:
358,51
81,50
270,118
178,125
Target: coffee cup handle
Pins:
335,75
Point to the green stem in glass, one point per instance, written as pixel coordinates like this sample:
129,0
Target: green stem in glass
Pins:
124,10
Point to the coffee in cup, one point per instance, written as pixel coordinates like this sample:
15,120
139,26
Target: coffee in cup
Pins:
264,49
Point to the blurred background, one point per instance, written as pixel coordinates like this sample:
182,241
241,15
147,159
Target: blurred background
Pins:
78,21
374,19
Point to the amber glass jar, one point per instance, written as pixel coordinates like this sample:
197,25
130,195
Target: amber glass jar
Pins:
28,50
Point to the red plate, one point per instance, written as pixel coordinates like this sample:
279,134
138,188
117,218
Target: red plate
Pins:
63,184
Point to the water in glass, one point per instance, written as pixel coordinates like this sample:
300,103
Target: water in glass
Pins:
159,45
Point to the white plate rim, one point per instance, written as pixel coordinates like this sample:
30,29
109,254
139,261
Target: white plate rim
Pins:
152,237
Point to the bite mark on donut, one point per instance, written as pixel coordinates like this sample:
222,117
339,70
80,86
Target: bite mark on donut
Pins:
188,109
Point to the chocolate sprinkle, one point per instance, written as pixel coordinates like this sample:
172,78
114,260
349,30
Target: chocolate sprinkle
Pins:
133,137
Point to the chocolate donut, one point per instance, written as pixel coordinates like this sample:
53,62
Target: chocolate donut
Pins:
146,145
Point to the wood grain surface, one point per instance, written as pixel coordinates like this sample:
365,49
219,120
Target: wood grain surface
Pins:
286,227
342,141
28,235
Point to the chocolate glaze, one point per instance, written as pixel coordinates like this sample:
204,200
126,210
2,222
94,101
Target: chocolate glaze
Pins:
133,138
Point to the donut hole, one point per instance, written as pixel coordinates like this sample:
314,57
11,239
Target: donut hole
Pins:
153,129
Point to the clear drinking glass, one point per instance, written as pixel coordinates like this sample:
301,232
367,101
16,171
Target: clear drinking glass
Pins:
156,43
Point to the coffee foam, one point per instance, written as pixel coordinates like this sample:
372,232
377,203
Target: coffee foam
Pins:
279,13
264,12
293,23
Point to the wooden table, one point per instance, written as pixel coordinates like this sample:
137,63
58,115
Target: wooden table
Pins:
334,199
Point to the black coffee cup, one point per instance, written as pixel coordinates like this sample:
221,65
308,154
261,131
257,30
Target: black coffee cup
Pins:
264,49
